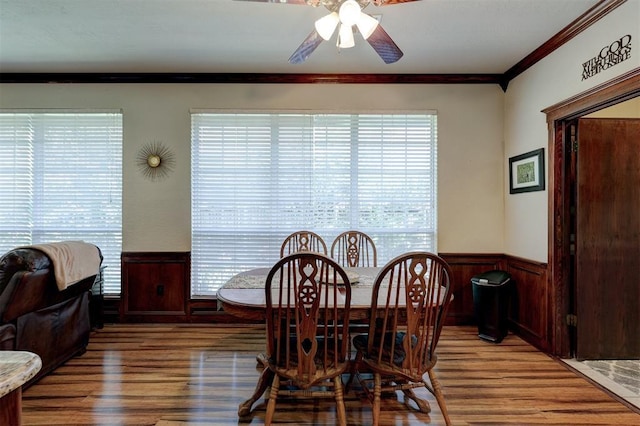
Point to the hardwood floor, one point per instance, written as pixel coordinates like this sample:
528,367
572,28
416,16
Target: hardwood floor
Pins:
198,375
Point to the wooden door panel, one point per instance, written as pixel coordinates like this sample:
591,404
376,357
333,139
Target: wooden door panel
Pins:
155,286
608,239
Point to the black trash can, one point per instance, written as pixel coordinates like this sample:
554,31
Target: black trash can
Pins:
491,304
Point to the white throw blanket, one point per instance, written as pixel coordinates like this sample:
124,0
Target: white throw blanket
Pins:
72,261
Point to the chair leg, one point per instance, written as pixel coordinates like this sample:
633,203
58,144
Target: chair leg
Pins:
377,391
423,405
262,361
353,370
340,409
273,396
266,377
437,391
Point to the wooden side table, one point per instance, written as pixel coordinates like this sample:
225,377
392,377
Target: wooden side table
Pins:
16,368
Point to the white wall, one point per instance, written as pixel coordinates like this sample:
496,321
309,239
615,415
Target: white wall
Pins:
554,79
156,215
627,109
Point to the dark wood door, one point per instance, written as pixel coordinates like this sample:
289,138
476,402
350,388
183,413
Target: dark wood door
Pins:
608,239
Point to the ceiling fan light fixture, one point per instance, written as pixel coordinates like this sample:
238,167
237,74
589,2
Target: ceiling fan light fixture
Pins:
345,37
366,25
326,25
349,12
346,14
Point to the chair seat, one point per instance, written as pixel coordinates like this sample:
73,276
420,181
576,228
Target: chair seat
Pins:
319,358
361,343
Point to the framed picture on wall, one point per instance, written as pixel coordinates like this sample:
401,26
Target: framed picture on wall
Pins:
526,172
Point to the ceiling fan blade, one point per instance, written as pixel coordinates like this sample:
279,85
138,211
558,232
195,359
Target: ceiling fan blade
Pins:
332,4
279,1
307,47
384,46
386,2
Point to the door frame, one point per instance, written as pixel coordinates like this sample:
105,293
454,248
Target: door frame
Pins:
619,89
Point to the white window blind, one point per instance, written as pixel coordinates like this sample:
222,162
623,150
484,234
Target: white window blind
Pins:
258,177
61,179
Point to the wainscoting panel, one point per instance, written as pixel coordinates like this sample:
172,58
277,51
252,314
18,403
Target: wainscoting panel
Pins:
529,310
155,287
464,267
530,313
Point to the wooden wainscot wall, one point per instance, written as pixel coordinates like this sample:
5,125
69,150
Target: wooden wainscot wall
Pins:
529,313
155,288
464,267
531,316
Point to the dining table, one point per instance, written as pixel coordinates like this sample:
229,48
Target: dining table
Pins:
243,296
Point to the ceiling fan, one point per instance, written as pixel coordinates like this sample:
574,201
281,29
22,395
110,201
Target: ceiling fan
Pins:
344,15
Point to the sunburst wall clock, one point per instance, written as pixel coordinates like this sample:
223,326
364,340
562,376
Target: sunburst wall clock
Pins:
155,161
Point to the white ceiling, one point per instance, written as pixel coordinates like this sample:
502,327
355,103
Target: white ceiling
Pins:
230,36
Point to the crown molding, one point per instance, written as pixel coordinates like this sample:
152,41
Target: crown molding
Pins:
249,78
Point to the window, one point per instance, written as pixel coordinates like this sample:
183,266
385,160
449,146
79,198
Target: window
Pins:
258,177
61,179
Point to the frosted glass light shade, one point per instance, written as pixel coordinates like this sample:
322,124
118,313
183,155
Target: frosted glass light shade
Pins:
345,37
366,25
349,12
326,25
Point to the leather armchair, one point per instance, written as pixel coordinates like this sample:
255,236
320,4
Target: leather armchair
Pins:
37,317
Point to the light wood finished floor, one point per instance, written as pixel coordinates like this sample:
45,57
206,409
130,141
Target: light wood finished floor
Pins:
197,375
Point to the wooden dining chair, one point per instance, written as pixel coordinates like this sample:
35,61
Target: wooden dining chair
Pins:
354,249
409,304
308,298
303,241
